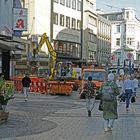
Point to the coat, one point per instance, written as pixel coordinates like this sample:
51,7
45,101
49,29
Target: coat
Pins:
26,81
110,108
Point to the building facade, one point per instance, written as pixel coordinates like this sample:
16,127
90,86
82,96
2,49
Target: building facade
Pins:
10,33
62,25
89,47
104,41
125,30
72,28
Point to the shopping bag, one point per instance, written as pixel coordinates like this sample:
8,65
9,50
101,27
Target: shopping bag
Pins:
133,100
98,96
100,105
122,97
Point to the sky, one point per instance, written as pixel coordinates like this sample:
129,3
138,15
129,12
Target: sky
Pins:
117,5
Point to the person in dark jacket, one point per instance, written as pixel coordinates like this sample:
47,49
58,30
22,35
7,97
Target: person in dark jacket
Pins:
26,81
89,89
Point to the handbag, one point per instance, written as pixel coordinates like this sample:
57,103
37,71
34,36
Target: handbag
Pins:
133,100
98,96
100,105
122,97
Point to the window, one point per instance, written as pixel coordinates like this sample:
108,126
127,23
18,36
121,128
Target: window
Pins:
138,45
55,18
67,21
92,21
97,75
73,23
62,2
118,29
119,17
91,38
68,2
127,15
130,41
62,20
78,5
117,41
56,1
78,24
73,4
131,28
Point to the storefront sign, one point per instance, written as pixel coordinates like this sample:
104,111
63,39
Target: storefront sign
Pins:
20,19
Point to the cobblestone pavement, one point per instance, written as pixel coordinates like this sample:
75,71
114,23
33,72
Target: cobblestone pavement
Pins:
46,117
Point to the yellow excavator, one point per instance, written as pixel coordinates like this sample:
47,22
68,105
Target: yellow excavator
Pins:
44,39
53,67
55,86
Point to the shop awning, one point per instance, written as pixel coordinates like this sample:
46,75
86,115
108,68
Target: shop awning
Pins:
12,43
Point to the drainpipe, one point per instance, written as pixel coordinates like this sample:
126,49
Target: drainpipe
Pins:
51,21
82,8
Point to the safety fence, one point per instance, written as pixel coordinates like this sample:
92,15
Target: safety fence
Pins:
40,85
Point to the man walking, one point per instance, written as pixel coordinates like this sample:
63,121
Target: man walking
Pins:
89,89
26,81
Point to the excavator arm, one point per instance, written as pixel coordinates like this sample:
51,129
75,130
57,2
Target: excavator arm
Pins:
44,39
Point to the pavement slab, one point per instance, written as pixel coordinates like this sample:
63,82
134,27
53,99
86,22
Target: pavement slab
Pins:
45,117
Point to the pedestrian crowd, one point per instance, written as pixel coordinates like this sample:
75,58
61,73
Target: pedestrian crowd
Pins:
113,91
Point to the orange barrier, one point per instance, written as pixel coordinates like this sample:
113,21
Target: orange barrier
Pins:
60,87
18,84
38,85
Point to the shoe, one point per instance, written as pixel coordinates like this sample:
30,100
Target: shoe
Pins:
106,130
89,113
127,109
109,128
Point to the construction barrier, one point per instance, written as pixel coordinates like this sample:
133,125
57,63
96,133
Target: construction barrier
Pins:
60,87
38,85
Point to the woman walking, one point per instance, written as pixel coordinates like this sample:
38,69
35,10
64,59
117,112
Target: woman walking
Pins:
109,90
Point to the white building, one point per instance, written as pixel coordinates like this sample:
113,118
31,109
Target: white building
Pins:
70,26
61,20
125,41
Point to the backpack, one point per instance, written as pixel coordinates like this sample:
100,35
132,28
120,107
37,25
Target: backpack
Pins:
108,92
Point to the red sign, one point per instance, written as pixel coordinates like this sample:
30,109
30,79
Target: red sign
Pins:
129,55
113,57
20,19
20,23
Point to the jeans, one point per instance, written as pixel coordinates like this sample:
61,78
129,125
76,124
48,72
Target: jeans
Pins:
135,91
108,123
128,94
3,107
26,91
90,103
